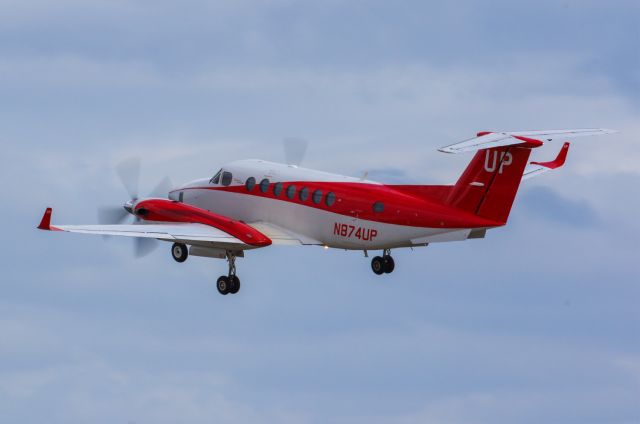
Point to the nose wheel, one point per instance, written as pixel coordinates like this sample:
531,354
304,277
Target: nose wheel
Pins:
383,264
229,283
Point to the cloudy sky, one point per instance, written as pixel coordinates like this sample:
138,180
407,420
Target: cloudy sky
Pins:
537,323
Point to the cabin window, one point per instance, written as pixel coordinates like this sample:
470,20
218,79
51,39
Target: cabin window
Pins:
226,178
330,199
304,194
277,189
264,185
291,191
250,184
317,197
181,197
378,207
216,178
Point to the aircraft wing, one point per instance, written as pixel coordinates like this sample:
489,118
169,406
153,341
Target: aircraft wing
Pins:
537,168
487,139
188,233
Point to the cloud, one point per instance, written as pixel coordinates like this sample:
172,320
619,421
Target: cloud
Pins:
545,204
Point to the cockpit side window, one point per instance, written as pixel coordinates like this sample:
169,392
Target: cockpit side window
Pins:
216,178
226,178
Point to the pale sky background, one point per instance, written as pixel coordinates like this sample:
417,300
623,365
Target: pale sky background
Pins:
538,323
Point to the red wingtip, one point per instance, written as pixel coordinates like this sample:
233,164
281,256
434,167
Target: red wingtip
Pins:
559,160
45,223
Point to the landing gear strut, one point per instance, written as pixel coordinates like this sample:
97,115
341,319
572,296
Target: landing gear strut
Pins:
384,264
231,283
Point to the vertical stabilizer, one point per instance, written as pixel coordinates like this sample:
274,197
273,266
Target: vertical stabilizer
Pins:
489,185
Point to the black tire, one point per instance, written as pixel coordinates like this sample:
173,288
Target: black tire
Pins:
235,284
223,285
377,265
389,264
179,252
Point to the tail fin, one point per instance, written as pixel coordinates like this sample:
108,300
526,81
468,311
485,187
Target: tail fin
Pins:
489,185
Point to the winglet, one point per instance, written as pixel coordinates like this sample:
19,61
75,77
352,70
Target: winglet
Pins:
558,161
45,223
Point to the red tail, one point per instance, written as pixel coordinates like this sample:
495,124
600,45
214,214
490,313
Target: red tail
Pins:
489,185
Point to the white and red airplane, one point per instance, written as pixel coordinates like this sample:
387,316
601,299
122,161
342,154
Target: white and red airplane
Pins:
250,204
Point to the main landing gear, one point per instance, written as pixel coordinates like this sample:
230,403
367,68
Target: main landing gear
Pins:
227,283
231,283
384,264
179,252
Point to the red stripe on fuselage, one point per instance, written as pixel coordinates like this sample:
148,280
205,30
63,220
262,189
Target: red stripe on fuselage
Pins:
357,199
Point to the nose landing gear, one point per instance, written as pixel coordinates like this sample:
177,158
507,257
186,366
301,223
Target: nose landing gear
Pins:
384,264
231,283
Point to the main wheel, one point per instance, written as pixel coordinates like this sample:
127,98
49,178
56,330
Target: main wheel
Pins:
389,264
179,252
224,285
235,284
377,265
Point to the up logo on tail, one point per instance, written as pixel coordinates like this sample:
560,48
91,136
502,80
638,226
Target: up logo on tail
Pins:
491,161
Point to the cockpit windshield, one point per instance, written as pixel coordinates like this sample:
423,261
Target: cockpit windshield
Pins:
216,178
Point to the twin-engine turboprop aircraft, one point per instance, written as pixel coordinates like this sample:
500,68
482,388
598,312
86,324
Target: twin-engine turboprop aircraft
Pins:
251,204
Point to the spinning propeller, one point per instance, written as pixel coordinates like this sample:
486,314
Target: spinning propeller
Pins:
129,173
294,150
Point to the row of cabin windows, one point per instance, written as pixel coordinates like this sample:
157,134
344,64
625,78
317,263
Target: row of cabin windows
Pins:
290,191
225,178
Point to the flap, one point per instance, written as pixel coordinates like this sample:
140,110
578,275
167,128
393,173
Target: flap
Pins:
282,236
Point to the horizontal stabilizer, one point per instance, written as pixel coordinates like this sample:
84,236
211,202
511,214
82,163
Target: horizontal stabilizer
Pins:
488,139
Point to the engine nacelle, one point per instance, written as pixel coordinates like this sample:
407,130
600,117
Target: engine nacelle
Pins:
161,210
